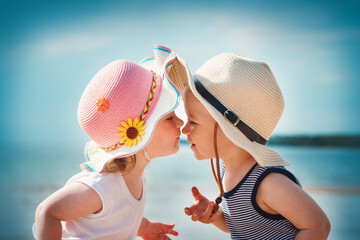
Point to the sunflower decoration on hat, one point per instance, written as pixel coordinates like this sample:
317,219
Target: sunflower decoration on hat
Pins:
122,104
131,132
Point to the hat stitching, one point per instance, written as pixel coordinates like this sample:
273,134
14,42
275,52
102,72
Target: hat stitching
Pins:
138,126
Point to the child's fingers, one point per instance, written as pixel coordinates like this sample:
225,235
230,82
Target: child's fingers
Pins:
214,216
168,229
171,232
196,193
188,211
168,226
208,212
195,217
160,237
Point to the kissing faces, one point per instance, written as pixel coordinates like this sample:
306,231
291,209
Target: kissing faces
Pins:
199,127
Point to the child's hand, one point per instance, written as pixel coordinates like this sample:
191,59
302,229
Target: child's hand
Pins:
202,210
158,231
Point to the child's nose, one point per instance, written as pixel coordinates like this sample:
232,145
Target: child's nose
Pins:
185,129
180,122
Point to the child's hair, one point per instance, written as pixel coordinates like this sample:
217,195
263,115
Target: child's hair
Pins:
123,165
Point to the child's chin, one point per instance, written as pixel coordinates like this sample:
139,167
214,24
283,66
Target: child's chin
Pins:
175,150
200,158
197,155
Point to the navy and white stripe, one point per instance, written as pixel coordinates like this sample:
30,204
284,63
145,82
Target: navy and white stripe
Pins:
245,219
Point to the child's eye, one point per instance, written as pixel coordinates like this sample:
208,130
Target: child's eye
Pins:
170,118
192,122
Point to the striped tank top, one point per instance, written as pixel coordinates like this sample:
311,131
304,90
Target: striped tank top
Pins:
244,218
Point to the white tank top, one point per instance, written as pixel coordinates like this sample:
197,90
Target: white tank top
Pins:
121,215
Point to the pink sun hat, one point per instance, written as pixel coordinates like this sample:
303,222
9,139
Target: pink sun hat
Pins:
122,104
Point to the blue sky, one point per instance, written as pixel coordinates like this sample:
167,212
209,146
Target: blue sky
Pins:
51,50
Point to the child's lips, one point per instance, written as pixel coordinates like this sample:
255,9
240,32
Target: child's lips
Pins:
192,144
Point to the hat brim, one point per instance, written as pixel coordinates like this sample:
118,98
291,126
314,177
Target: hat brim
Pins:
264,155
97,158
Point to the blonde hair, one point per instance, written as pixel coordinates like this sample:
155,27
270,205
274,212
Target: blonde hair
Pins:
124,165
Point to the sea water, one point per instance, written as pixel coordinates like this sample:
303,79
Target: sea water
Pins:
30,174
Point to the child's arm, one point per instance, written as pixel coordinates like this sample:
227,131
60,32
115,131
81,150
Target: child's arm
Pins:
279,195
202,210
69,202
155,230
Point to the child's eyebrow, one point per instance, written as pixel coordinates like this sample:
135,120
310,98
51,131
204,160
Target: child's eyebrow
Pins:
188,114
192,116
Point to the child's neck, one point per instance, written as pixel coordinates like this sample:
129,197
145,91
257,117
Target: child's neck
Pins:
133,178
237,165
236,160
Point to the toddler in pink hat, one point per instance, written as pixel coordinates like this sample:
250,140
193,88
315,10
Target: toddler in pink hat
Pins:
127,110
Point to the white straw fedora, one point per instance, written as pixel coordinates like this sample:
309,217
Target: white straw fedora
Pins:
242,95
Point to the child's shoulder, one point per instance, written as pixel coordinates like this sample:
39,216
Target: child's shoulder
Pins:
275,177
107,185
92,178
276,172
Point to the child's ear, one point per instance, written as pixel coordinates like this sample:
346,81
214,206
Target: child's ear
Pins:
178,74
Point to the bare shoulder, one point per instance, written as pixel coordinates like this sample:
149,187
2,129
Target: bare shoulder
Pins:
81,190
279,193
274,190
275,179
277,186
71,201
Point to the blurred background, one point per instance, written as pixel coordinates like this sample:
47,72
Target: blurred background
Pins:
50,50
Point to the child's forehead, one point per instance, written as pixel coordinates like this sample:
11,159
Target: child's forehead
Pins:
191,102
194,107
189,97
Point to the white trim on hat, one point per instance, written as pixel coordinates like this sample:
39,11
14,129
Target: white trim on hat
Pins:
97,158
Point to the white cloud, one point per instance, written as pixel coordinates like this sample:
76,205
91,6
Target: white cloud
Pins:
294,51
70,43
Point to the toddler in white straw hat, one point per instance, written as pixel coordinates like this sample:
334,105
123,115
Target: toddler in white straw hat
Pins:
233,105
127,110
